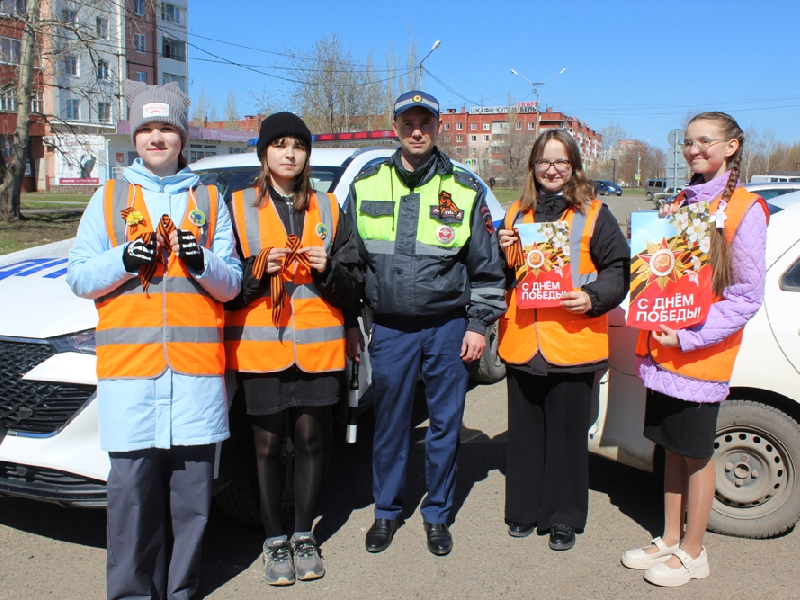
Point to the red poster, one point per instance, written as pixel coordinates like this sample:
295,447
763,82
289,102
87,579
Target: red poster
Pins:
547,272
670,274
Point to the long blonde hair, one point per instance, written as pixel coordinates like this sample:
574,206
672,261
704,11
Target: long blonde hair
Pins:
719,255
302,183
578,191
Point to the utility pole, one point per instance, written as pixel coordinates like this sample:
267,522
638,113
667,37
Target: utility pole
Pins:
536,85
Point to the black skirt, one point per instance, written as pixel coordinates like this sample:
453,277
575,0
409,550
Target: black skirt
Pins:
680,426
270,393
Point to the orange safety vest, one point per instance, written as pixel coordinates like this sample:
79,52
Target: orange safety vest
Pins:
563,338
714,363
175,324
311,334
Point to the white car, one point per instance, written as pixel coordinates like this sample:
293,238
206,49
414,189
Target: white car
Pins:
49,442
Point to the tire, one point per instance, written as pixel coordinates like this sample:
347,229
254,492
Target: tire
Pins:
489,369
757,452
648,196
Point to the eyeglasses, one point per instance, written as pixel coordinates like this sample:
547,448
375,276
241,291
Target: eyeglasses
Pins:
562,165
702,144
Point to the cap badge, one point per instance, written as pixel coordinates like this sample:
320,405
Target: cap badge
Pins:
416,98
155,109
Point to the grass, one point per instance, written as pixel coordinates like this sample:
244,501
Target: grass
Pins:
506,195
42,228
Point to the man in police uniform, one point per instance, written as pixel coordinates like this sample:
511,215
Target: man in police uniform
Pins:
434,283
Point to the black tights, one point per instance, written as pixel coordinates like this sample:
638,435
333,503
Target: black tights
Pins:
310,435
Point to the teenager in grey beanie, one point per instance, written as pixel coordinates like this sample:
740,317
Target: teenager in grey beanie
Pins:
164,103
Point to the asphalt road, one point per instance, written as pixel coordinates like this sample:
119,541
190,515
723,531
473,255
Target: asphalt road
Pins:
52,552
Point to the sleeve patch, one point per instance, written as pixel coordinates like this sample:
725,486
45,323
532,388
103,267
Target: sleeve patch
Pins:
486,215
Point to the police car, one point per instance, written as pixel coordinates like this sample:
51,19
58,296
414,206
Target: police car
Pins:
49,443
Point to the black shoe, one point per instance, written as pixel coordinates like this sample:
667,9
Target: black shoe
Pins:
562,537
440,542
380,535
520,529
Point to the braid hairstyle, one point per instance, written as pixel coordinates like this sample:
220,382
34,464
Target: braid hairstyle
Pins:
719,254
578,191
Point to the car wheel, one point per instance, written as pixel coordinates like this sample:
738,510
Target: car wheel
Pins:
757,451
648,195
489,369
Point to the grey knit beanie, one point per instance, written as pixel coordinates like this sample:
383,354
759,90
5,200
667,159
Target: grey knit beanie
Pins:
164,103
279,125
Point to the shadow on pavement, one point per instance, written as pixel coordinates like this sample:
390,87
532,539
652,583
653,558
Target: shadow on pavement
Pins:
84,526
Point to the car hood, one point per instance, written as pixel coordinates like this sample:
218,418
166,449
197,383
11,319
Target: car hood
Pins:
35,300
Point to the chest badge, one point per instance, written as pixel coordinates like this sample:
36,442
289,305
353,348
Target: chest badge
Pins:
132,217
447,211
321,230
445,234
197,218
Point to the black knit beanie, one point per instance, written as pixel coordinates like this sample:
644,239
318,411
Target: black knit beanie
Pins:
282,124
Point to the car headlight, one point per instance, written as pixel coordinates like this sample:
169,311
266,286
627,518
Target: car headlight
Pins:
82,342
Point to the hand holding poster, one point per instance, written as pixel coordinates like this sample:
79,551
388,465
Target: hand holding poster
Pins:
670,273
546,273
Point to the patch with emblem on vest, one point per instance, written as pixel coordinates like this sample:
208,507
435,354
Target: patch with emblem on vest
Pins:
486,215
447,211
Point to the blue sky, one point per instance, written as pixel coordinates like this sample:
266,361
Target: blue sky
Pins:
642,64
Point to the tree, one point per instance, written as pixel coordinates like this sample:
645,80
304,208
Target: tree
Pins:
12,176
231,114
199,110
514,150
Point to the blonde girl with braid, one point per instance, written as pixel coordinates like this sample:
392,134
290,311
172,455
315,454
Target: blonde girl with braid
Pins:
687,371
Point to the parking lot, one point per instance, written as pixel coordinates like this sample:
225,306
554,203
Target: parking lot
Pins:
52,552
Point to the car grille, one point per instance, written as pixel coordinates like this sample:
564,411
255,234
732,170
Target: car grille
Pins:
15,476
35,407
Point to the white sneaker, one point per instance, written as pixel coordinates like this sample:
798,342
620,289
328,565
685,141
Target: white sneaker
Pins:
691,568
639,559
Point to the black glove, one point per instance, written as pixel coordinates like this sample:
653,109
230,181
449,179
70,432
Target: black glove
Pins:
190,251
139,254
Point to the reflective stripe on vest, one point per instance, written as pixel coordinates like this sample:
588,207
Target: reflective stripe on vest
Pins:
714,363
311,333
176,324
563,338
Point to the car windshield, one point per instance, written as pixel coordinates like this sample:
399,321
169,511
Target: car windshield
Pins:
232,179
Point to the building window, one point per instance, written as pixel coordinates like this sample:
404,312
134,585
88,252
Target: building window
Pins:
518,126
487,126
69,15
174,49
140,42
13,7
102,70
447,126
473,126
181,81
459,126
138,7
170,12
102,28
8,101
474,138
36,102
72,110
141,76
531,125
487,138
104,112
459,138
10,50
70,65
447,138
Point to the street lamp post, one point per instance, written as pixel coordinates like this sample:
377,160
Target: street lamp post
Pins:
435,46
614,160
536,85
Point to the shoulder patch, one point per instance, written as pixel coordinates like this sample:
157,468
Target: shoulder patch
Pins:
467,179
371,169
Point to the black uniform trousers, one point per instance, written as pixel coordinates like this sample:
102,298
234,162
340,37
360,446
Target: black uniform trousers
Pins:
547,462
158,503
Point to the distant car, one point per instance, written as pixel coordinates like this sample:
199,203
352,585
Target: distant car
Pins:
662,186
770,191
49,439
604,188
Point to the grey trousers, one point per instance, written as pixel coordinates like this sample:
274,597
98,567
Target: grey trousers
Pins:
158,503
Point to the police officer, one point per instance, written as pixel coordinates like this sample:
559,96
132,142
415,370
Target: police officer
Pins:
434,283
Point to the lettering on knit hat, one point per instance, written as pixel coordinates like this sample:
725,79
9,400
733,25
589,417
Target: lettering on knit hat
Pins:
155,109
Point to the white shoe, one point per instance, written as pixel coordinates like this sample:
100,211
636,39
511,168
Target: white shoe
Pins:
691,568
639,559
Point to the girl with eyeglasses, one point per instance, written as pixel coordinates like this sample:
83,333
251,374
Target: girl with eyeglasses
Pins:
687,372
553,354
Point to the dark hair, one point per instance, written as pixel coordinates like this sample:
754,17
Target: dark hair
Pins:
578,191
302,184
718,253
182,162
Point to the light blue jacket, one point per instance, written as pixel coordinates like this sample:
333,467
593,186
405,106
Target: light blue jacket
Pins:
172,409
